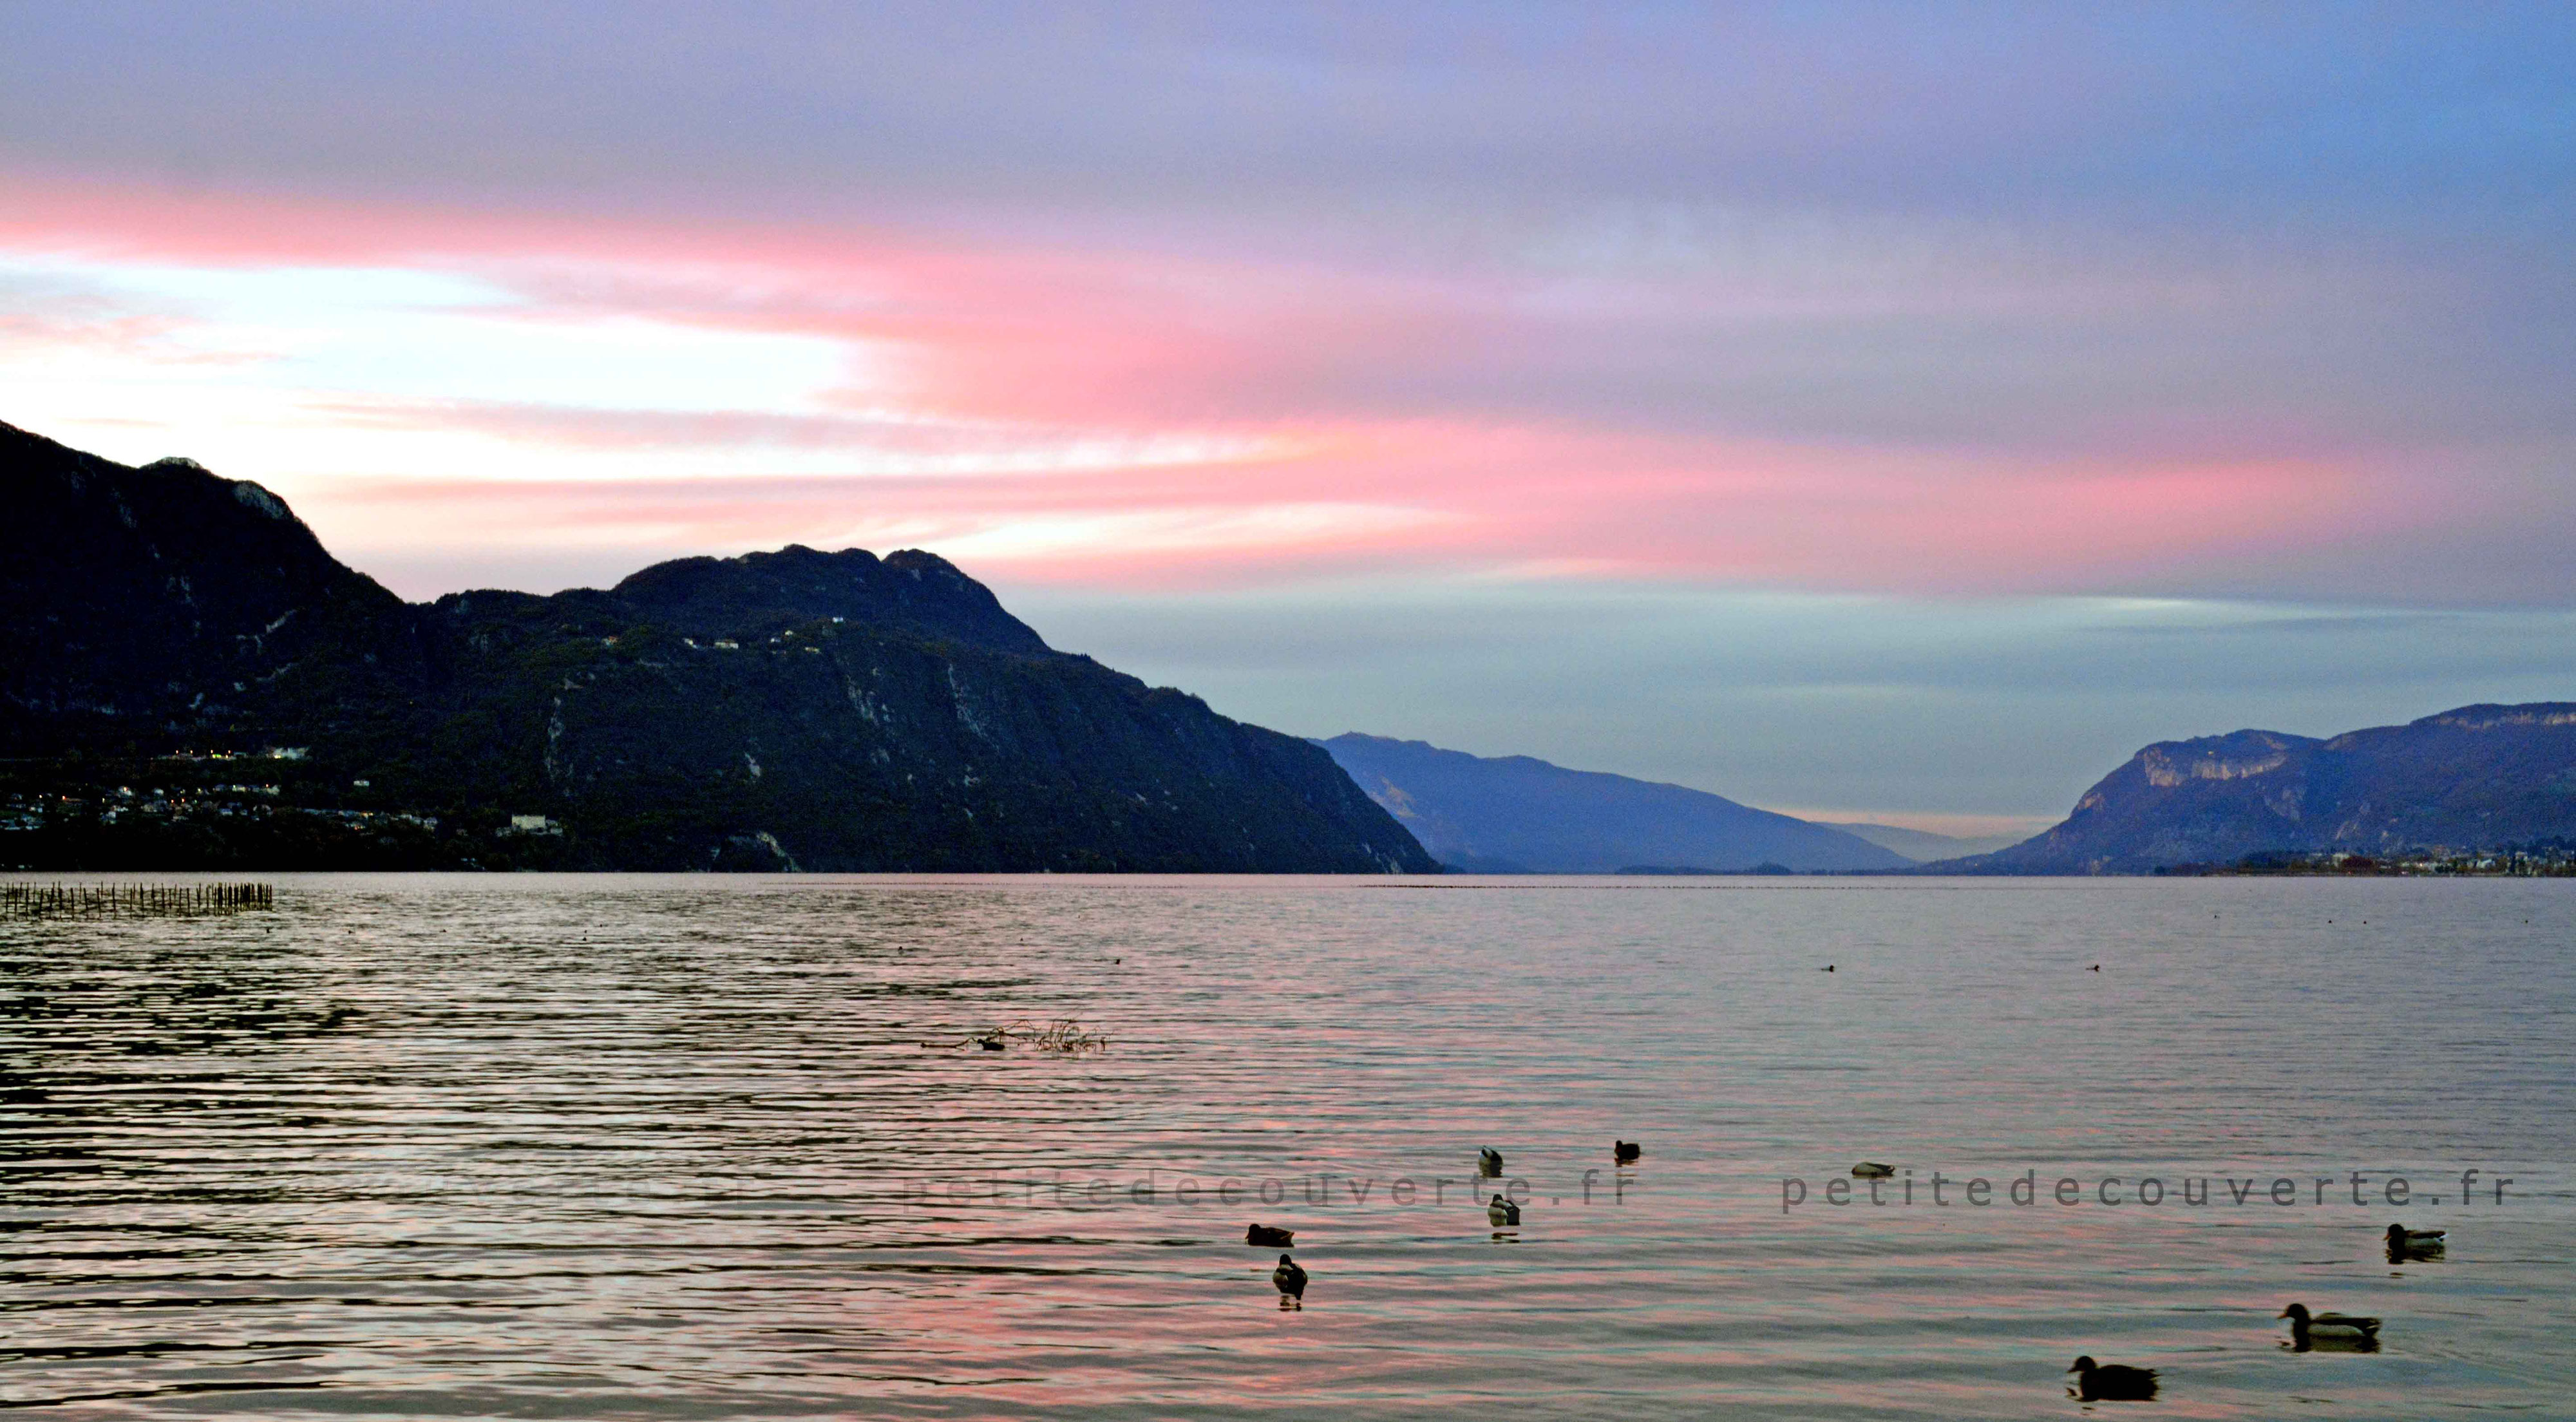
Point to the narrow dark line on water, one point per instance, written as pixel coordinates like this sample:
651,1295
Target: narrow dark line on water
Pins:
174,1390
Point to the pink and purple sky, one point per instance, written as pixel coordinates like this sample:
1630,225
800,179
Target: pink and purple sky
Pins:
1869,412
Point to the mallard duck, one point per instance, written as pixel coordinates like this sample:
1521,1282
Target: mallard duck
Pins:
1503,1212
1489,1161
1872,1170
2112,1382
1269,1236
1625,1152
2402,1240
1290,1279
2341,1327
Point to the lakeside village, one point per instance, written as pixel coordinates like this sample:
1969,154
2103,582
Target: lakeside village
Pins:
2552,860
223,809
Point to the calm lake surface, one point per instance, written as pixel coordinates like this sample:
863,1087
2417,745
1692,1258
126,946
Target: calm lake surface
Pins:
631,1147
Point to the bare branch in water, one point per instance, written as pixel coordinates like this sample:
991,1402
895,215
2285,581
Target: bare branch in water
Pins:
1066,1036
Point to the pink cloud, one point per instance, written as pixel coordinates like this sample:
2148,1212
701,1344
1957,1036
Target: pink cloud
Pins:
1345,419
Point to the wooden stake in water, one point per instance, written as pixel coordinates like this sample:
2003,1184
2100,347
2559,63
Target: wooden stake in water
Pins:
150,900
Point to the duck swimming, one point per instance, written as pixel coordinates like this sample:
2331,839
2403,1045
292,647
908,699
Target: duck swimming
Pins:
1625,1152
2402,1240
2306,1328
2112,1382
1503,1212
1269,1236
1489,1161
1290,1279
1872,1170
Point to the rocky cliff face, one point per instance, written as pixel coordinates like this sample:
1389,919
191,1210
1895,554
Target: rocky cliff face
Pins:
797,709
2480,777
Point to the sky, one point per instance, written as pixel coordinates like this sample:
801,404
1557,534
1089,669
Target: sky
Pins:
1873,412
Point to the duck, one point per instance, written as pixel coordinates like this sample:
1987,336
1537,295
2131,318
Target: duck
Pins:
1872,1170
1290,1279
1489,1161
2329,1327
1503,1212
1625,1152
1269,1236
2402,1240
2112,1382
1826,968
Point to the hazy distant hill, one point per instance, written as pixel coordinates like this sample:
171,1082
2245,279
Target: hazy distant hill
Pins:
2480,777
1923,846
1519,815
797,708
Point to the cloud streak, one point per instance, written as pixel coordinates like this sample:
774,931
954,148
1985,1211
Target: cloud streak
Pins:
1109,416
1521,302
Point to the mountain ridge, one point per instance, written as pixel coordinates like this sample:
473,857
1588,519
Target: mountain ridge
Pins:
1921,846
1520,814
784,709
2484,776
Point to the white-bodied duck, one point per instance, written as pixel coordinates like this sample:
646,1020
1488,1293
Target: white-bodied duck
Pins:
1503,1212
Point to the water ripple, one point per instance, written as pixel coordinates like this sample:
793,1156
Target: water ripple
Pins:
716,1148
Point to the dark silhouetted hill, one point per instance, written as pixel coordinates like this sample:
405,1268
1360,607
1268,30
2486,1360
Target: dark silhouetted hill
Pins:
761,593
133,600
791,709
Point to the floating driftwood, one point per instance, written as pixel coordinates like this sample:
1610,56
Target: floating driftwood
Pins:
155,900
1066,1036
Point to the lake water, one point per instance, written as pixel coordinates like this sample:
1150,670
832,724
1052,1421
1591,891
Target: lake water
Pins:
626,1147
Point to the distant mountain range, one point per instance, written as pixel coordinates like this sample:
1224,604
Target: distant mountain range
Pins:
1514,815
2480,777
1923,846
187,677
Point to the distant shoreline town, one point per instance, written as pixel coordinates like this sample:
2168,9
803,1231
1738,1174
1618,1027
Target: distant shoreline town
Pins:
2547,862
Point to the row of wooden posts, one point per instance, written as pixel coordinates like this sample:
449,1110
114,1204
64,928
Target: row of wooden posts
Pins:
35,900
